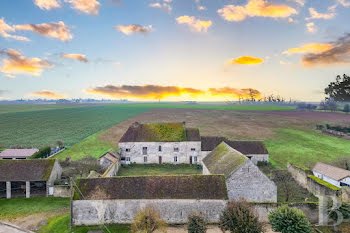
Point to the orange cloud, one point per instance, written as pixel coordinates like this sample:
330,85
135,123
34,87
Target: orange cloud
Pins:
245,60
19,64
6,29
48,94
234,92
194,23
54,30
75,56
310,48
85,6
47,4
134,28
316,15
256,8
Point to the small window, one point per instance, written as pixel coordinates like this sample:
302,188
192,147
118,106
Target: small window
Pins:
176,149
160,148
145,159
144,150
127,159
127,150
249,157
195,159
193,149
175,159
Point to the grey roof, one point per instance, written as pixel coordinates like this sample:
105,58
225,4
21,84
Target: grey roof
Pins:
331,171
224,160
17,153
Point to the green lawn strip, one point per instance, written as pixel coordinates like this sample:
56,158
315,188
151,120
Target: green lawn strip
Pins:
11,108
324,183
90,146
158,169
305,148
17,207
61,224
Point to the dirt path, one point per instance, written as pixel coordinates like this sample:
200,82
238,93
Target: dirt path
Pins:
10,228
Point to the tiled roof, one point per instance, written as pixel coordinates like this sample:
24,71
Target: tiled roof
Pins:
110,156
26,170
331,171
245,147
17,153
153,187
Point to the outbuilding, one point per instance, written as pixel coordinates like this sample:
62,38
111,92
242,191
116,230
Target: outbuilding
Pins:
17,153
334,175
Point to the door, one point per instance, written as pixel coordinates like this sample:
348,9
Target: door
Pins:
160,159
190,159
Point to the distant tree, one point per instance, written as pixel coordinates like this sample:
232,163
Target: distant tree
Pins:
346,108
147,220
44,152
239,216
339,90
285,181
196,223
289,220
60,144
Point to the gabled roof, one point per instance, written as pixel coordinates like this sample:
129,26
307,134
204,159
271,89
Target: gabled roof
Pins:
110,156
153,187
26,170
224,160
245,147
17,153
331,171
160,132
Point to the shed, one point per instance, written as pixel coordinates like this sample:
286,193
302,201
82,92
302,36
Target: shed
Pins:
17,153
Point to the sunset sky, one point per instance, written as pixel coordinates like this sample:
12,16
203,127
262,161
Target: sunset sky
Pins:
172,49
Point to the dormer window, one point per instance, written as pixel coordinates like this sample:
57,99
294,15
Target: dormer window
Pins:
127,150
176,149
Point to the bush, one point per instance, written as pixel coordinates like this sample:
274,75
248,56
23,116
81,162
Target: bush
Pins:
346,108
289,220
196,223
44,152
147,220
240,217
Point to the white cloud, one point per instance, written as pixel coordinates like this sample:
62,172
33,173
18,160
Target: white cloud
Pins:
311,27
314,14
86,6
6,29
194,23
134,28
47,4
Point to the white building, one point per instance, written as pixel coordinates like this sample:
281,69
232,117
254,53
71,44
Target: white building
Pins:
333,175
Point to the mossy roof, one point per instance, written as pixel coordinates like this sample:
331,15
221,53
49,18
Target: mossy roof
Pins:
224,160
153,187
160,132
324,183
335,173
26,169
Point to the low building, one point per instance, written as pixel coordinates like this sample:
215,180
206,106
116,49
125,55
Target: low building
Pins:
243,178
17,153
108,158
334,175
117,200
160,143
28,178
254,150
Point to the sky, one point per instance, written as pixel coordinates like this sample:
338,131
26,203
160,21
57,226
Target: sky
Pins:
171,50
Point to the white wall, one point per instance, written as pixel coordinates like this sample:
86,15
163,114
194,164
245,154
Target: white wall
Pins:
327,179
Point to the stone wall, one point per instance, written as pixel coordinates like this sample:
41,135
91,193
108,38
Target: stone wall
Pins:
319,189
255,158
55,173
96,212
300,175
167,151
250,183
345,194
61,191
112,170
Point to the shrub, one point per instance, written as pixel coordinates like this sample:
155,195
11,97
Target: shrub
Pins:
196,223
44,152
147,220
240,217
289,220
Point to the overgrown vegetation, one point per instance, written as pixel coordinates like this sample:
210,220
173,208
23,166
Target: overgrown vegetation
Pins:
147,220
240,217
324,183
289,220
44,152
159,169
81,167
196,223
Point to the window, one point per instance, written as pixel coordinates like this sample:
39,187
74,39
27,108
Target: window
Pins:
160,148
144,150
127,159
175,159
127,150
249,157
193,149
176,149
195,159
145,159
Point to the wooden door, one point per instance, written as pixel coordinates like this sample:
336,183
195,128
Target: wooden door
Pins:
160,159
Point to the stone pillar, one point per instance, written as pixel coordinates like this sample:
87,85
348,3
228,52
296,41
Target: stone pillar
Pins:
27,189
322,211
8,189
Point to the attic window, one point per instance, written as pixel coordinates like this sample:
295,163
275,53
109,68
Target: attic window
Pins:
127,150
193,149
249,157
160,148
176,149
144,150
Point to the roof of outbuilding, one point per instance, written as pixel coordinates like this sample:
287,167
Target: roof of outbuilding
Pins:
160,132
224,160
245,147
26,170
331,171
110,156
17,153
153,187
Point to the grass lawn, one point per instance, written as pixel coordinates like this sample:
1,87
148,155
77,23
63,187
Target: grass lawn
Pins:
158,169
305,148
17,207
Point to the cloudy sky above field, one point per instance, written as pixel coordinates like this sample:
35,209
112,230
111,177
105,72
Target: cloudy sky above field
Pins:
172,49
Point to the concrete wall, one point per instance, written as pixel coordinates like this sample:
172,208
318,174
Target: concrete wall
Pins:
96,212
255,158
250,183
61,191
167,152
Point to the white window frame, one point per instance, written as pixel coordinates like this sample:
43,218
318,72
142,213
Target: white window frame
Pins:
195,159
127,160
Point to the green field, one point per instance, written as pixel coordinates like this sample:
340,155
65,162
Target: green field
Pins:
158,169
19,207
35,107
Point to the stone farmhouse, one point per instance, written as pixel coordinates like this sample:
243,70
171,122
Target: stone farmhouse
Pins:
28,178
243,178
118,199
17,153
334,175
175,143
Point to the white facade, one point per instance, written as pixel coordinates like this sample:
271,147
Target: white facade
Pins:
345,181
161,152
